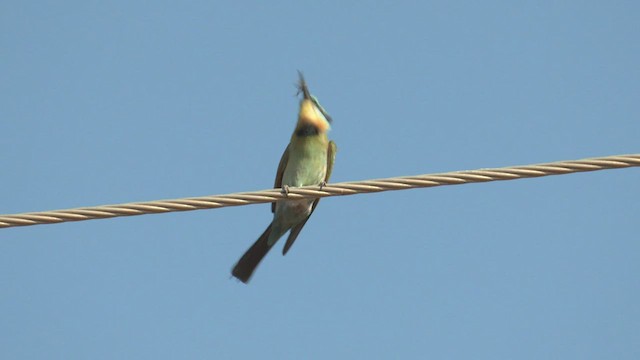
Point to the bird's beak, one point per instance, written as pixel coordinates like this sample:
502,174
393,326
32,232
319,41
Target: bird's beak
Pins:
302,87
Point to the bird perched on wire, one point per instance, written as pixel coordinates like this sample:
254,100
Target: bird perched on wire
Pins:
307,160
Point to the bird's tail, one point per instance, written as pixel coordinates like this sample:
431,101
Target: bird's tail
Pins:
247,264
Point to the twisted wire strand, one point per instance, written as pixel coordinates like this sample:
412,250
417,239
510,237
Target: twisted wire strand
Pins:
337,189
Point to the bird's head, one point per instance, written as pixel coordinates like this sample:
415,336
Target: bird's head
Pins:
311,112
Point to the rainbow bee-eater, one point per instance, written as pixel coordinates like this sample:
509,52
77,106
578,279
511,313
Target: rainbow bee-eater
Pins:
307,160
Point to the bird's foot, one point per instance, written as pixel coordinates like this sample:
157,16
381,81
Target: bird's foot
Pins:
285,190
323,184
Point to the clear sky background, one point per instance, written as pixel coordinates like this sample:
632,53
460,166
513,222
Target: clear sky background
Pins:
111,102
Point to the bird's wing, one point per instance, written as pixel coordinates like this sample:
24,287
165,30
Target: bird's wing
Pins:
278,183
331,157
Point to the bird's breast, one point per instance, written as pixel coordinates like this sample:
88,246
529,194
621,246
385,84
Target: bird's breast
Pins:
305,168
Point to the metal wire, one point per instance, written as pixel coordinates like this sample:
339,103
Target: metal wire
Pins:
337,189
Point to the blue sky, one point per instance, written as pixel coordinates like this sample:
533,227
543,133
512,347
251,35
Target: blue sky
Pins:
111,102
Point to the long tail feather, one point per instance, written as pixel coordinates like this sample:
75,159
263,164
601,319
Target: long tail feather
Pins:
251,259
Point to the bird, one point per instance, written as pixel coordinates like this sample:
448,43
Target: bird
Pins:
307,160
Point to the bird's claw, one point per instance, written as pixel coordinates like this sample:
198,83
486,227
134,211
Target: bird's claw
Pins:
323,184
285,190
